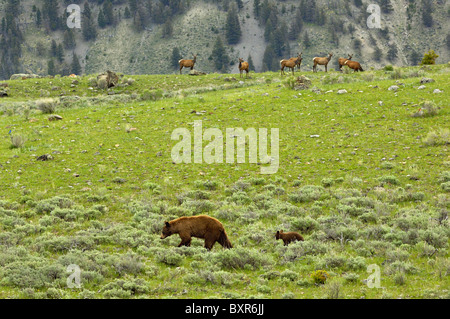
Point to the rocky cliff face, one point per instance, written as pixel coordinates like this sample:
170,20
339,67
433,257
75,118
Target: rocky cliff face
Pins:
344,30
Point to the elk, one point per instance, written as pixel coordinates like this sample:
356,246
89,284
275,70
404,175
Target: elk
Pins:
243,66
322,61
343,60
299,63
291,63
187,63
354,65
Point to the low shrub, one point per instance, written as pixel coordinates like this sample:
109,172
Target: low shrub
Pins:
169,258
289,274
440,137
388,179
221,278
319,276
305,224
307,193
241,258
18,141
209,185
47,106
333,289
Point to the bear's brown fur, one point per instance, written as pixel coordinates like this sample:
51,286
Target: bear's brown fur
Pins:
201,226
288,237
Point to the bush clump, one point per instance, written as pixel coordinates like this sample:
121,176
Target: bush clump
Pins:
18,141
47,106
240,258
319,276
307,193
434,138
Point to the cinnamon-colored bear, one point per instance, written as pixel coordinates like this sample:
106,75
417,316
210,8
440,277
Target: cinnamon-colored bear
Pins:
201,226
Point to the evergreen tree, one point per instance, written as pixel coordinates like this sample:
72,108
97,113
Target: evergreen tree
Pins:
51,67
334,37
279,41
139,21
75,66
321,17
167,29
357,3
133,7
40,48
89,29
308,10
11,40
175,57
219,55
265,11
377,54
296,26
269,60
60,53
392,52
386,6
240,4
127,14
306,40
108,12
429,58
357,46
268,30
251,65
101,19
69,39
50,10
232,27
427,9
414,57
38,18
257,8
87,10
53,48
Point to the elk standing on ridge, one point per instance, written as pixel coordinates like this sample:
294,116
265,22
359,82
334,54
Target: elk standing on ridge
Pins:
243,66
354,65
187,63
322,61
343,60
291,63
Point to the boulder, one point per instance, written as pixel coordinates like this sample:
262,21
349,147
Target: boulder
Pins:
316,90
426,80
393,88
45,157
23,76
109,79
55,117
302,83
195,72
342,91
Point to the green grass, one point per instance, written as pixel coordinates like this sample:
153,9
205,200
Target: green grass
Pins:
356,179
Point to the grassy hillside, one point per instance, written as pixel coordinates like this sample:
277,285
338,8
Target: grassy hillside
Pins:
362,179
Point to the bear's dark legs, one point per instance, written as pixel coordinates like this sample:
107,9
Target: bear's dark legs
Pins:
209,243
185,242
